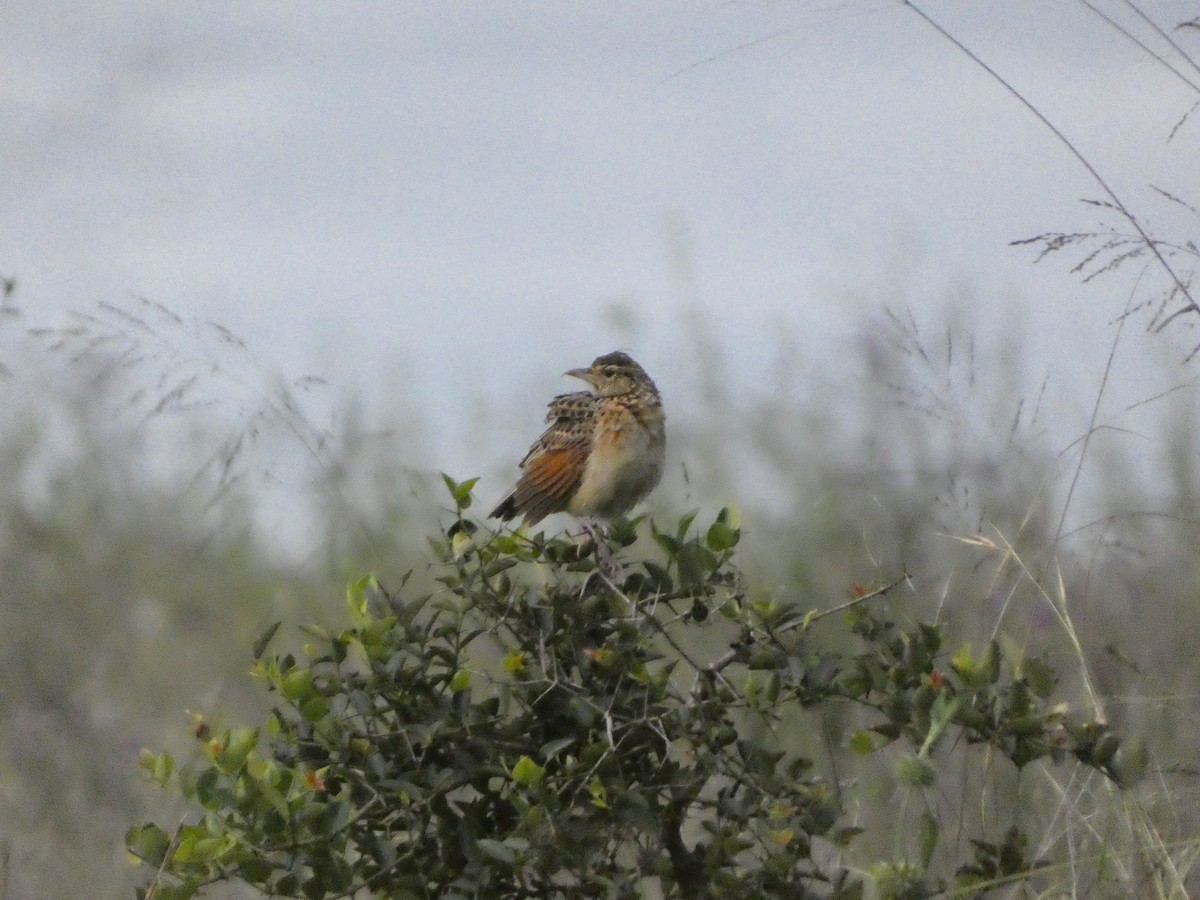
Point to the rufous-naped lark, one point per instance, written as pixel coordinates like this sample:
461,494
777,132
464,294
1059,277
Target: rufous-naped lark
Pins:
603,451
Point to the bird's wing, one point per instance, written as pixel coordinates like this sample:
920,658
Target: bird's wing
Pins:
553,467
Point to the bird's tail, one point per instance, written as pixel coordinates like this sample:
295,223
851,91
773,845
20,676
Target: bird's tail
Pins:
506,509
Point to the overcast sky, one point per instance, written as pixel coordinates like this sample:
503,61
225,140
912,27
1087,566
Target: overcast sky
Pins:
443,199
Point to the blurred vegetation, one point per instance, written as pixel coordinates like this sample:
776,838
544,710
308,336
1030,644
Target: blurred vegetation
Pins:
138,564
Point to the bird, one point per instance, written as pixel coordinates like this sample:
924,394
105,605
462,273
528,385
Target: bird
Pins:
603,452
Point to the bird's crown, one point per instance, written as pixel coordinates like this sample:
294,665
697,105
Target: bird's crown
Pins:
614,374
618,358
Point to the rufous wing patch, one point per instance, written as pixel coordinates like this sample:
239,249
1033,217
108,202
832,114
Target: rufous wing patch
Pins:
549,480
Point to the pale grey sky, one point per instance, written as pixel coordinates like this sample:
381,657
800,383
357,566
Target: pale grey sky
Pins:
446,196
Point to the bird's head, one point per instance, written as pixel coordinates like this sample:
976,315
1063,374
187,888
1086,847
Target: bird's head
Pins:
614,374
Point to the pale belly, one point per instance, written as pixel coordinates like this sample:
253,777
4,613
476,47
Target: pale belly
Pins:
615,480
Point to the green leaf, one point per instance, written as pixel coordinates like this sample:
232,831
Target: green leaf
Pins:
206,787
685,522
973,672
211,848
990,664
720,537
669,543
297,683
915,771
732,516
622,532
238,744
197,845
317,632
498,850
945,708
500,565
507,544
1041,677
159,765
660,576
782,836
599,794
526,771
260,643
929,831
771,690
861,743
314,708
461,681
551,749
1131,761
460,491
148,843
356,599
695,563
461,544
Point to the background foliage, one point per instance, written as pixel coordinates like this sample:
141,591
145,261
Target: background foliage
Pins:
134,597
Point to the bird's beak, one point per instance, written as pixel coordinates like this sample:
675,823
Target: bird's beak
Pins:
583,374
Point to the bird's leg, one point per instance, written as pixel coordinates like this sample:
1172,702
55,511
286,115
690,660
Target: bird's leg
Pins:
597,533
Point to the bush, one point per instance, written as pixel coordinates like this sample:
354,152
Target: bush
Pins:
541,726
